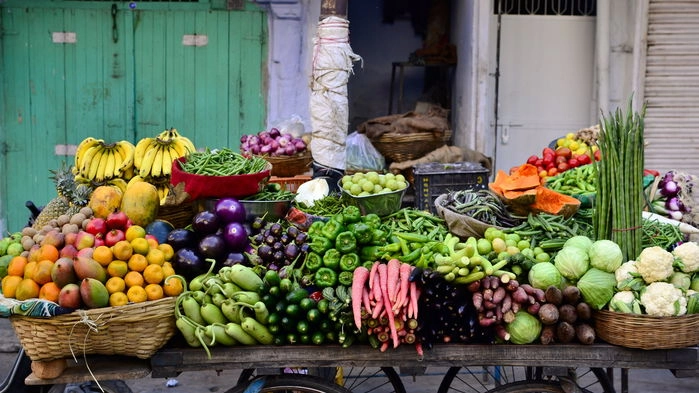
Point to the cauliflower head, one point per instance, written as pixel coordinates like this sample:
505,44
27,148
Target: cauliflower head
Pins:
626,275
626,302
688,255
663,299
655,264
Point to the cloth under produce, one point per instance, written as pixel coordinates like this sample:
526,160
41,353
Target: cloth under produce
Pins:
332,65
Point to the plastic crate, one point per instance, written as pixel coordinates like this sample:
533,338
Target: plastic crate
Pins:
290,183
434,179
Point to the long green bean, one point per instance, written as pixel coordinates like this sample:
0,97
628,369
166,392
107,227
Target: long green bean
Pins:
222,162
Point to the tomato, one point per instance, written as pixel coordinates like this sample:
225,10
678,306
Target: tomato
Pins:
539,162
532,160
574,162
548,160
553,171
548,150
560,159
564,152
562,167
597,155
584,159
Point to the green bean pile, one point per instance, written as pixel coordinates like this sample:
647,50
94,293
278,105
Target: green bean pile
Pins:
325,207
222,162
411,220
482,205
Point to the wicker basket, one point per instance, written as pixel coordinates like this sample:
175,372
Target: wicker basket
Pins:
178,215
403,147
135,329
290,165
647,332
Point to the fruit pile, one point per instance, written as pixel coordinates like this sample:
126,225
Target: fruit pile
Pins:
570,152
83,261
370,183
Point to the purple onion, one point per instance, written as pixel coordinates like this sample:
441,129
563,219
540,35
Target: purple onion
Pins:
274,132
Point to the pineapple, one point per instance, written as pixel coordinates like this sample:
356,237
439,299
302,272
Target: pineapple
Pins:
71,197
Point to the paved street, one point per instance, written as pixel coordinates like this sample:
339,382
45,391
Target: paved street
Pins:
640,381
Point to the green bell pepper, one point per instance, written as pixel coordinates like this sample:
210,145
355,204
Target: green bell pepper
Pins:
349,262
325,277
316,229
313,261
370,253
345,242
351,214
362,232
372,219
378,236
331,259
345,278
332,228
320,244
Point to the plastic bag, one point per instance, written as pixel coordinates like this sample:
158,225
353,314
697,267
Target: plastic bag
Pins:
361,155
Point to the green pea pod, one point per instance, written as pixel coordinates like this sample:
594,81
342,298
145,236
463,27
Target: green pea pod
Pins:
212,314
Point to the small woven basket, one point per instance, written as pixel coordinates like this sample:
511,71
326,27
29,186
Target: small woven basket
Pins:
135,329
286,166
178,215
646,331
403,147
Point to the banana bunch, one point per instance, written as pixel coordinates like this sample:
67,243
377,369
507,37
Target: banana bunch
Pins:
99,162
153,157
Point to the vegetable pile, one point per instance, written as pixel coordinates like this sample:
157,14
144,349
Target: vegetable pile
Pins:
272,143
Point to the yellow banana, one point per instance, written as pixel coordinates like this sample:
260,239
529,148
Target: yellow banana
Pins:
96,163
128,173
164,135
135,179
187,143
167,161
126,150
148,159
110,164
157,169
83,147
118,182
140,151
118,161
88,159
179,149
80,179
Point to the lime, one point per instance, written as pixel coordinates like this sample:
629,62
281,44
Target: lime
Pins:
355,189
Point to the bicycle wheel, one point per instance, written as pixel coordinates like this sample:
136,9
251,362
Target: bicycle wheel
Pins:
488,379
354,379
291,383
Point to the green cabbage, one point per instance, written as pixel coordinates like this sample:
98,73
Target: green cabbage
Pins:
580,241
572,262
597,287
524,329
605,255
544,274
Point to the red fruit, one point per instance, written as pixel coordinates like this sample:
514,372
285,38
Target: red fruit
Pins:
117,220
539,162
560,159
113,237
583,159
532,160
597,155
96,226
564,151
562,167
548,160
574,162
553,171
548,150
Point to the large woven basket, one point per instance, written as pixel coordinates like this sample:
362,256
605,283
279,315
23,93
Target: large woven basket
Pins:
287,166
403,147
135,329
647,332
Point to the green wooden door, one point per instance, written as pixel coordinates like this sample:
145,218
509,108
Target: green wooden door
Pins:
77,69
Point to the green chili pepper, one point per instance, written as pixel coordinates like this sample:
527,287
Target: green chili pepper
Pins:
331,259
349,262
316,229
370,253
362,232
325,277
345,242
351,214
332,228
313,261
320,244
345,278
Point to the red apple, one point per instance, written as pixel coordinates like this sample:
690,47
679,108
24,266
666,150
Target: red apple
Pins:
117,220
84,240
113,237
96,225
69,251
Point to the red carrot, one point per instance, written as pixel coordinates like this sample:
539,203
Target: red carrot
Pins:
365,300
392,279
383,283
414,295
372,274
361,275
403,277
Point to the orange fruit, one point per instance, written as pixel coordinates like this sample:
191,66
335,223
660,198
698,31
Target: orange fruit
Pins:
122,250
9,285
138,262
117,268
27,289
103,255
173,286
42,271
140,245
155,257
152,242
137,294
134,232
154,291
49,291
153,274
16,266
115,284
133,279
118,299
29,269
167,250
48,251
168,270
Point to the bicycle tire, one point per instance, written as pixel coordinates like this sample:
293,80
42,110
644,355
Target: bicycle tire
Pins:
297,383
529,387
354,380
598,382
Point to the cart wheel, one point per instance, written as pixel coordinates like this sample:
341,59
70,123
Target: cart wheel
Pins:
355,379
297,383
116,386
493,379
